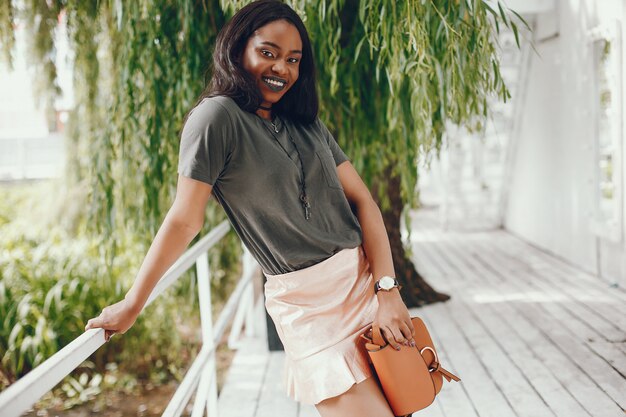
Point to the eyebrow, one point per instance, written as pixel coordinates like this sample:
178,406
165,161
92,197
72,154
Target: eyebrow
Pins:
293,51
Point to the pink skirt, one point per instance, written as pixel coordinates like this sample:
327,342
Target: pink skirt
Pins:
319,313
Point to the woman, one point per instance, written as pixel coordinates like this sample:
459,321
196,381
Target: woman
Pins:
255,142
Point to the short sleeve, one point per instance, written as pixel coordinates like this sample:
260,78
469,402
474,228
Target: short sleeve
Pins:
338,153
206,142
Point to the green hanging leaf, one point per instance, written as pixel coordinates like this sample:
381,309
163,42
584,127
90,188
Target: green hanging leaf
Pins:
490,10
514,27
520,18
503,15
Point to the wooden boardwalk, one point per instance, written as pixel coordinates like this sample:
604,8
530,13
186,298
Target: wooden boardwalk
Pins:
528,334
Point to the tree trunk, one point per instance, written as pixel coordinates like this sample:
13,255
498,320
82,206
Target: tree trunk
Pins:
415,291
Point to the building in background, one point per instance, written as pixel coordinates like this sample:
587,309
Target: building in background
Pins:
31,146
550,166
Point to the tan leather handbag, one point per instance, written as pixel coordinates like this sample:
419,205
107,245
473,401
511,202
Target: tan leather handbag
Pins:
410,377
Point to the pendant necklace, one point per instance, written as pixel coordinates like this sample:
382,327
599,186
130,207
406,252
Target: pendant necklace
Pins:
304,199
274,126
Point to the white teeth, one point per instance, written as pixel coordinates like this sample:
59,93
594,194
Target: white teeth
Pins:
276,83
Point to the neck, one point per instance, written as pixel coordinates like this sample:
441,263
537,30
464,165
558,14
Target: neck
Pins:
265,110
266,114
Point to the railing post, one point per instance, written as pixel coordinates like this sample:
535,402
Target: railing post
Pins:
245,309
207,388
249,263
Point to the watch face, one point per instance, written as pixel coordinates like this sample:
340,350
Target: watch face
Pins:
386,283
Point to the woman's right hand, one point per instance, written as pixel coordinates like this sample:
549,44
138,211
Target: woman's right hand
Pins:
116,318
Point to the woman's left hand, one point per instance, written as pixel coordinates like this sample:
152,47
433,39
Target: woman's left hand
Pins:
394,319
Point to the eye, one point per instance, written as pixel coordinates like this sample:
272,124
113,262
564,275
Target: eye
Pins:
265,50
295,60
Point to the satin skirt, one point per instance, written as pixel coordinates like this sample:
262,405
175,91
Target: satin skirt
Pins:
319,313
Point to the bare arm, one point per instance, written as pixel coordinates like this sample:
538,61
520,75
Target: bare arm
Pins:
181,224
392,316
375,239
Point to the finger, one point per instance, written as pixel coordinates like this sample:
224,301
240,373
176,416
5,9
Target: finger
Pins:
392,338
400,334
408,335
95,322
89,324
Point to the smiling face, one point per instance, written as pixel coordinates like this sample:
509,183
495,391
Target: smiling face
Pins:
272,55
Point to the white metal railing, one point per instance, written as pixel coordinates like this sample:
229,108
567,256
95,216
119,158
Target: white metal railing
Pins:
201,376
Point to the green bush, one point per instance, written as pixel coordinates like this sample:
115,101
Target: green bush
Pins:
50,286
52,282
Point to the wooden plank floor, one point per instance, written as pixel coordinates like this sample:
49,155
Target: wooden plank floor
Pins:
528,334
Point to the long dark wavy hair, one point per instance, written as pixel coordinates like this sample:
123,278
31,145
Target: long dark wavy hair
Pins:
229,78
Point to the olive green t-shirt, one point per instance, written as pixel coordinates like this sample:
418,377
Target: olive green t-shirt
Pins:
255,173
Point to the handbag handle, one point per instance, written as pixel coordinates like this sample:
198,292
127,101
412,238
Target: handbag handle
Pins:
377,336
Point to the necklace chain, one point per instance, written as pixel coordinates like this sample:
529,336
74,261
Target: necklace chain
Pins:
303,197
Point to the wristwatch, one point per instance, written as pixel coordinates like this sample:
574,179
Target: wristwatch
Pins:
386,283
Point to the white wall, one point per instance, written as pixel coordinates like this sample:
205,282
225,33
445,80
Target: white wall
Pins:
28,150
551,193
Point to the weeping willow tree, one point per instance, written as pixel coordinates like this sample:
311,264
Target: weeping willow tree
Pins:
391,74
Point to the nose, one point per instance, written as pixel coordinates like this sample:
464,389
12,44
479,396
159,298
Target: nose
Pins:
279,67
